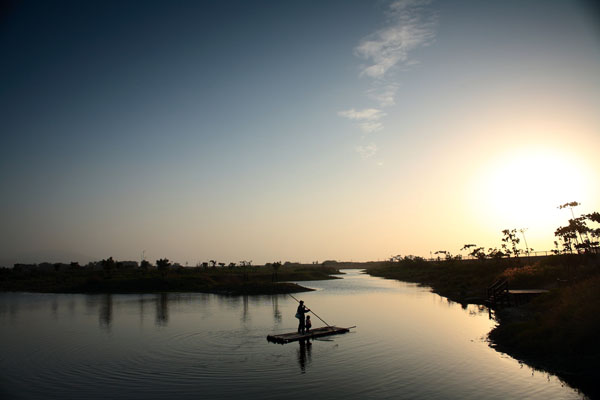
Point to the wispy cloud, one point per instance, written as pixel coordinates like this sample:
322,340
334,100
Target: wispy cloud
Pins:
368,114
410,27
370,126
367,151
367,118
385,95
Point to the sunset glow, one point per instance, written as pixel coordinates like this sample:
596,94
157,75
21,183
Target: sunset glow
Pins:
341,130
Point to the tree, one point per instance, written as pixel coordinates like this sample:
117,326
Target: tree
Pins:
108,265
145,265
577,233
396,258
495,253
163,265
510,238
570,206
478,253
448,255
276,265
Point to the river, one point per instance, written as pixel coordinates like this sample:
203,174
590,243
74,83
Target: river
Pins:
408,344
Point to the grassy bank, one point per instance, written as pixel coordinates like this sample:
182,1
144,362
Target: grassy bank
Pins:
248,280
555,332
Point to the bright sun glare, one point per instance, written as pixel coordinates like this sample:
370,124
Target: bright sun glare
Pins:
524,188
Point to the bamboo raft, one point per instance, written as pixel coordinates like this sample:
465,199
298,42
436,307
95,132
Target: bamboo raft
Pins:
314,333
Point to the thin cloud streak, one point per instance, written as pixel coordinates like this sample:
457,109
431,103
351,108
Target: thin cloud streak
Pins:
370,127
391,46
367,118
368,114
385,96
367,151
410,25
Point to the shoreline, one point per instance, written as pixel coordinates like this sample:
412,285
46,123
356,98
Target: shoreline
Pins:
553,333
259,280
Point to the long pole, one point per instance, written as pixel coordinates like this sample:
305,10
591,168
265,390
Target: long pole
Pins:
311,311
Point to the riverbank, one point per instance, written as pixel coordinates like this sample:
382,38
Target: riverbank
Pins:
555,332
255,280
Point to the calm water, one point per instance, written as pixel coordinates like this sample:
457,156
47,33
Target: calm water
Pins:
408,344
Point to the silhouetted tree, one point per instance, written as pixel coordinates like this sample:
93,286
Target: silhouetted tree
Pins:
213,263
578,240
396,258
478,253
276,265
108,265
577,233
494,253
145,265
163,265
510,238
448,256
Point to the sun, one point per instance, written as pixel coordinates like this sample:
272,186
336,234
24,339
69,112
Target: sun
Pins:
524,188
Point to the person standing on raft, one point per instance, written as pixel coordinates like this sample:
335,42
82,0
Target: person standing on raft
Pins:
300,315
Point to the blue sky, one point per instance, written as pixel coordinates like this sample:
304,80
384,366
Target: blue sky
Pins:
289,130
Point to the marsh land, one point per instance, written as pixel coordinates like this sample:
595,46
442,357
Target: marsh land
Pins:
555,332
238,280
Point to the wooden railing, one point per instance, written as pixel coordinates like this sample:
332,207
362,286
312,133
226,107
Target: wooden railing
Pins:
497,293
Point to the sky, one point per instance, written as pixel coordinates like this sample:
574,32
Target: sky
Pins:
293,130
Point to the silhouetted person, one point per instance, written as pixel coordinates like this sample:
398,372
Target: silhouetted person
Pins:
308,324
303,351
300,315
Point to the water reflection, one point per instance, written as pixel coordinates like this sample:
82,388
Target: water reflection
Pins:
245,308
304,354
276,312
409,344
71,307
141,301
105,312
162,309
54,308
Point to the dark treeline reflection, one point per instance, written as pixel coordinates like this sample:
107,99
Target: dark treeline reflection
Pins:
105,311
245,315
162,309
276,312
107,306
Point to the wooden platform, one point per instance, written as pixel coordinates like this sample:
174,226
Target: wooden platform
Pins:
498,294
527,291
314,333
521,296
